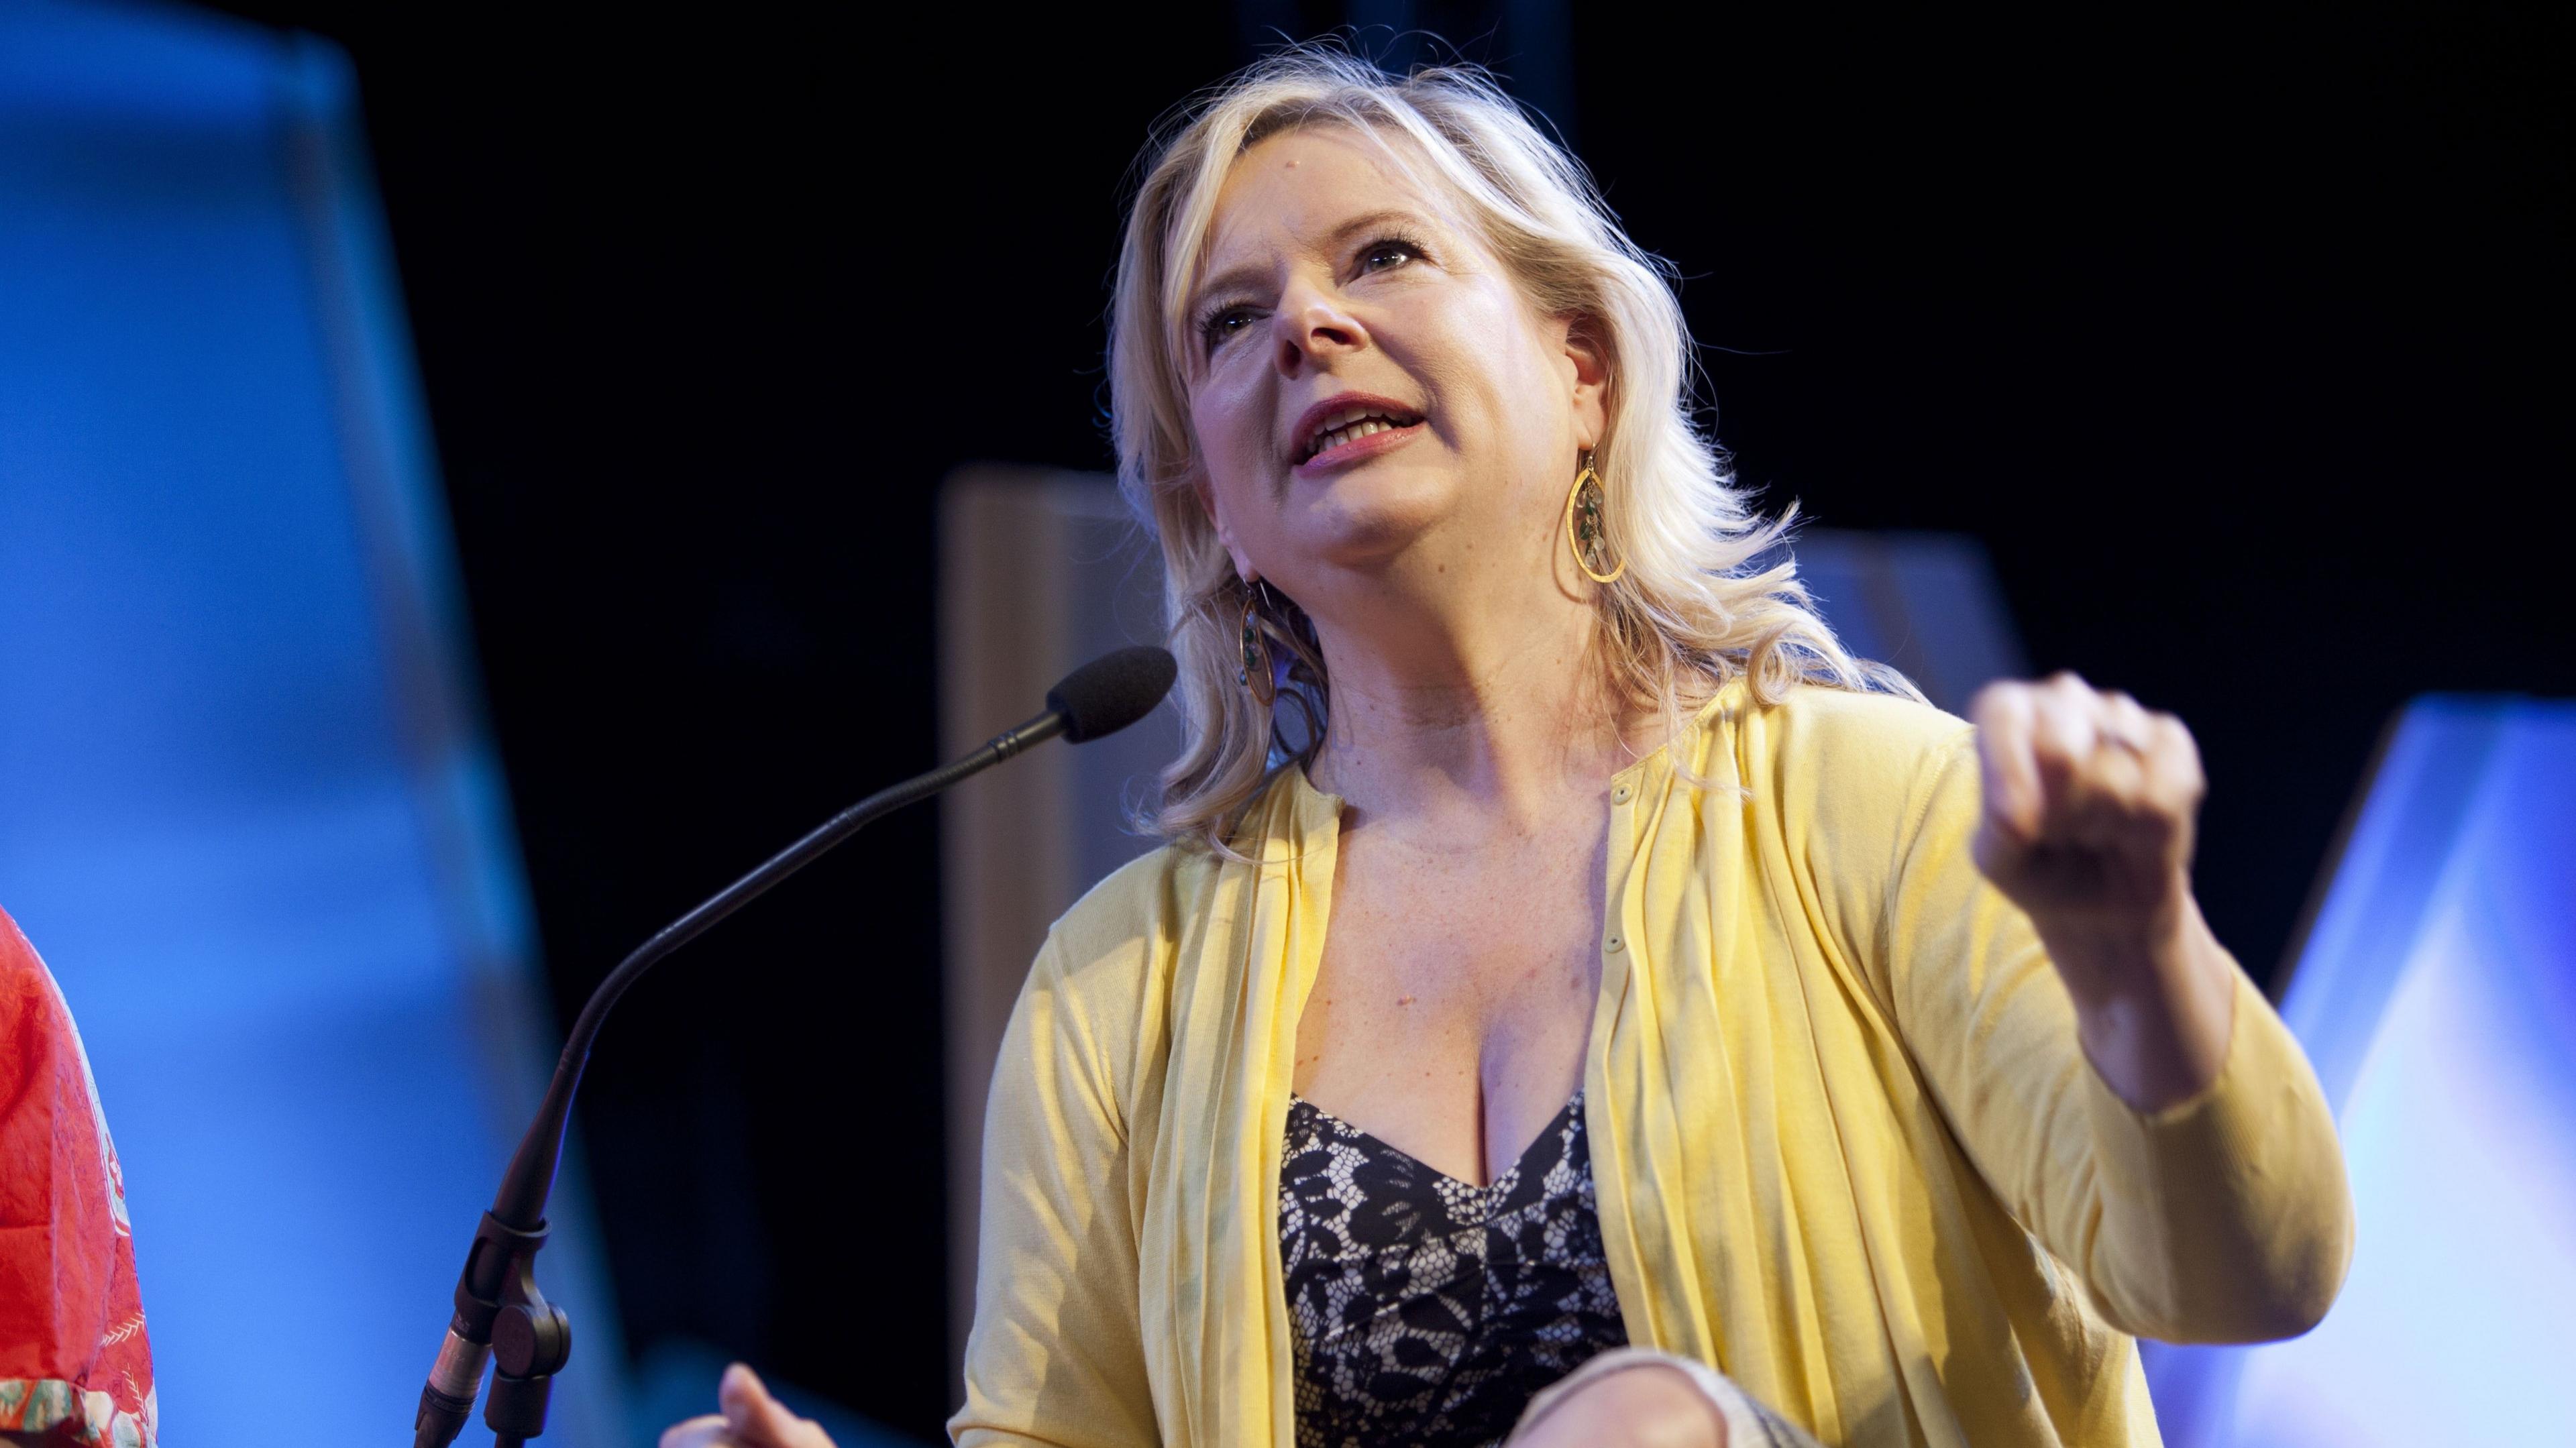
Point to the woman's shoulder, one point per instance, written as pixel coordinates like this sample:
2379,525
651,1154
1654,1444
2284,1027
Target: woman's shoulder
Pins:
1860,732
1136,902
1126,931
1866,759
1092,991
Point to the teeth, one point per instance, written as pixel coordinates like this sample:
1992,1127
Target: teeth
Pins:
1348,425
1352,433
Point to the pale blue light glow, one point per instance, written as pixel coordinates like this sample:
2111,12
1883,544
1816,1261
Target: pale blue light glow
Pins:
246,811
2438,995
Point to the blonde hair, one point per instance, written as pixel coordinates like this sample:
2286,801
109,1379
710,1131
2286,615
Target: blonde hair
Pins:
1699,604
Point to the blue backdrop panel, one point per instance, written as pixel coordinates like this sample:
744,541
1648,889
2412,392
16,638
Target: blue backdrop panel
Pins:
1927,603
246,811
2437,996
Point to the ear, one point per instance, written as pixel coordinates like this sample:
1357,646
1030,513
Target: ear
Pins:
1589,357
1243,568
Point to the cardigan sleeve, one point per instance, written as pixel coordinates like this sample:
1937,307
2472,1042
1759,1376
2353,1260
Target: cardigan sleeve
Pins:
2224,1218
1056,1356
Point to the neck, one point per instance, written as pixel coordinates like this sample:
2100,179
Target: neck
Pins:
1468,709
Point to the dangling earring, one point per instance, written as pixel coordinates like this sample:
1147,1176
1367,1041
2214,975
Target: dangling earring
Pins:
1256,673
1584,531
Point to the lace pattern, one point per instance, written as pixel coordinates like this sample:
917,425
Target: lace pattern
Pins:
1425,1309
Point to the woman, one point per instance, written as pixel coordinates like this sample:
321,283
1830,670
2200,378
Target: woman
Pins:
1621,988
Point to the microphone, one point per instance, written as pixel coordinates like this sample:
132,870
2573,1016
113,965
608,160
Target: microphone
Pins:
499,1312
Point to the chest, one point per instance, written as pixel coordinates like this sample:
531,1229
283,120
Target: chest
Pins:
1717,1120
1453,1002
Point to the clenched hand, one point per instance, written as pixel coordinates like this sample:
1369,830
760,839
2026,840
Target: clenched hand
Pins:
2091,801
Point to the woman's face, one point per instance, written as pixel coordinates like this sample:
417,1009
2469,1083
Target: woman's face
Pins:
1367,382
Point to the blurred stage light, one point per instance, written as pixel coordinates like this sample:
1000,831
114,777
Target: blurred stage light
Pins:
247,810
2437,995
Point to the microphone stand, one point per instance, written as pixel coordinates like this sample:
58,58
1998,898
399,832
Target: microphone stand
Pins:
501,1317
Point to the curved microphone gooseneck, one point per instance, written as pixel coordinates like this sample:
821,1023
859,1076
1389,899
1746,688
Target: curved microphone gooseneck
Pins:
499,1312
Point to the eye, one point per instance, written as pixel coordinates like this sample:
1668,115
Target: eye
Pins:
1224,323
1387,253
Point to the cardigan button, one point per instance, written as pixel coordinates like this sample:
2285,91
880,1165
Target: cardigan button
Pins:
1619,793
1615,945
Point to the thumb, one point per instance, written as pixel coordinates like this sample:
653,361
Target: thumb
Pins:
753,1416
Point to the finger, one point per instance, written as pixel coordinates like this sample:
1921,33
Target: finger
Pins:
2177,782
2010,780
2176,756
705,1432
2063,737
2105,802
745,1398
2123,801
761,1420
2159,797
2126,722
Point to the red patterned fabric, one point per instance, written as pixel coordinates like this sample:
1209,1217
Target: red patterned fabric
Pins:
75,1365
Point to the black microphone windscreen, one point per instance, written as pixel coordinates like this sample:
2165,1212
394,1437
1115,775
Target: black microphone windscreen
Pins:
1112,691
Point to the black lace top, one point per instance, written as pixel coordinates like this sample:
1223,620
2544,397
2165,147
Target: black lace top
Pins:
1425,1310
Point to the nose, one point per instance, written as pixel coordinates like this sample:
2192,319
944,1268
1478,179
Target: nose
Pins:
1311,327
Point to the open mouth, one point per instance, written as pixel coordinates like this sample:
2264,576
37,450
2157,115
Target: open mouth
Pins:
1350,424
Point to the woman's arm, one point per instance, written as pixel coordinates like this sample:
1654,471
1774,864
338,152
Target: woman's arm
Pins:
1637,1397
1650,1405
1057,1354
2114,1077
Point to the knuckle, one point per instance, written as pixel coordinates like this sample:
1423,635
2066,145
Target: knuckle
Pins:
2144,804
2126,803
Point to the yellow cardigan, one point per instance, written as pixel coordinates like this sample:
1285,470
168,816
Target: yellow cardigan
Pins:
1848,1148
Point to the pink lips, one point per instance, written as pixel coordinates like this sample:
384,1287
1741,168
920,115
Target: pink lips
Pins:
1358,449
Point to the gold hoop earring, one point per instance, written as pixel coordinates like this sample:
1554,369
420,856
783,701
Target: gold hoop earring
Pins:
1255,671
1584,531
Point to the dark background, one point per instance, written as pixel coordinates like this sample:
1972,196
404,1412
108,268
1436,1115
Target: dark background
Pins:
2240,338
